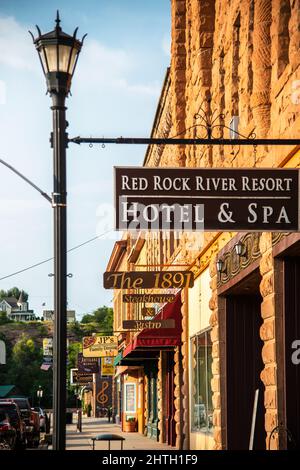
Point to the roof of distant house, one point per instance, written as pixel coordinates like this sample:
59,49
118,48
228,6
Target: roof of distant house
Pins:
12,301
21,298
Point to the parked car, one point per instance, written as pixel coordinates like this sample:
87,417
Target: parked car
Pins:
8,434
43,418
31,418
16,420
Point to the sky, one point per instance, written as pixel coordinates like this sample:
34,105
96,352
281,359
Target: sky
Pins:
115,92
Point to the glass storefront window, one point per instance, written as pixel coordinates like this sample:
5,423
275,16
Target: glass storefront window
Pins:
201,375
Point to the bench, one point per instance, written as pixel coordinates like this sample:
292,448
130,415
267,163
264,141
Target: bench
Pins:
109,438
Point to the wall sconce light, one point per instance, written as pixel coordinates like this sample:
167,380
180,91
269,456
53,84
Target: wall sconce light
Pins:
240,248
220,266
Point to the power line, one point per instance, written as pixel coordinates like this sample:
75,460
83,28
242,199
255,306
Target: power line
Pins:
43,193
49,259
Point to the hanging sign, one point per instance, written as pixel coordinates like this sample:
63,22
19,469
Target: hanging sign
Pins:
148,279
187,199
80,379
151,324
87,364
107,366
148,312
104,392
100,346
149,298
48,347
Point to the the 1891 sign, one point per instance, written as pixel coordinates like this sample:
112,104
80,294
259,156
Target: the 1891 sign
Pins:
148,279
207,199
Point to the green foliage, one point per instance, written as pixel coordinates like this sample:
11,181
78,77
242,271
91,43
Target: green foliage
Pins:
13,292
76,329
43,331
23,369
74,349
4,318
88,318
102,317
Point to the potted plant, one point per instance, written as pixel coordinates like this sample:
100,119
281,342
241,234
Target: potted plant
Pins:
129,424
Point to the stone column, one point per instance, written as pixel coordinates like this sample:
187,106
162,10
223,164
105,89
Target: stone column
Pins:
260,98
267,334
177,398
185,367
215,382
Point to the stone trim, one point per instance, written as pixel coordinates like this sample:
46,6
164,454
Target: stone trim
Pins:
177,398
267,334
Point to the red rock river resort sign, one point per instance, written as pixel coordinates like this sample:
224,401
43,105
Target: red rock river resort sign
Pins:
207,199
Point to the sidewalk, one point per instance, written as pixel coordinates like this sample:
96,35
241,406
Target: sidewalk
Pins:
93,426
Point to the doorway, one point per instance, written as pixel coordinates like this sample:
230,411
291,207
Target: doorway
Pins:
244,364
170,406
292,344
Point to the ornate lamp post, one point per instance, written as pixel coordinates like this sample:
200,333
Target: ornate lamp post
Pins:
58,53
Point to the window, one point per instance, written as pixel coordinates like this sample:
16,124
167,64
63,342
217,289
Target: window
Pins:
201,404
130,398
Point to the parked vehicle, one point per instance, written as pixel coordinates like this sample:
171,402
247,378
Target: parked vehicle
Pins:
43,418
8,434
31,418
13,411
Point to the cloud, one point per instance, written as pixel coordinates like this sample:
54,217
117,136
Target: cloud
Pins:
150,89
16,48
99,65
103,66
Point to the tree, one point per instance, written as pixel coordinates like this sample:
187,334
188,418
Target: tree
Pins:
4,318
88,318
13,292
103,317
24,370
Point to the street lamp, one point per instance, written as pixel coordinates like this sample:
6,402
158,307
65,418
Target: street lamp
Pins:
58,53
39,394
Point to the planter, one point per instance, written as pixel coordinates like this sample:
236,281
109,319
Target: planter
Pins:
129,426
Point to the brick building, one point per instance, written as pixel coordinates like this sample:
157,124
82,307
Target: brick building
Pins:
235,67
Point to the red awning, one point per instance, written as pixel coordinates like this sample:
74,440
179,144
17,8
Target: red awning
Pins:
163,337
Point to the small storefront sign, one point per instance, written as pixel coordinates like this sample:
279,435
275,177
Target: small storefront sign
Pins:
107,366
148,279
100,346
104,392
149,298
151,324
48,347
188,199
87,364
80,379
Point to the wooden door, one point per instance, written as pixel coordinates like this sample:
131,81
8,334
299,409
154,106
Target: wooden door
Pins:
170,407
244,365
